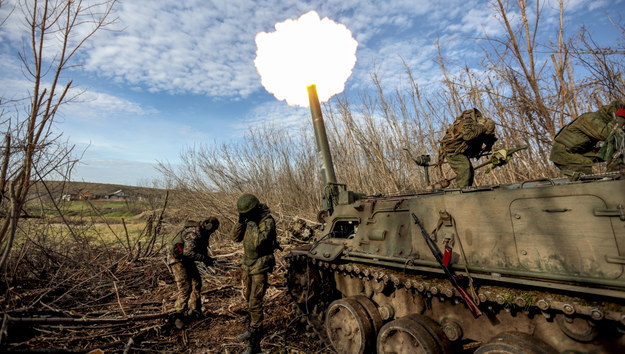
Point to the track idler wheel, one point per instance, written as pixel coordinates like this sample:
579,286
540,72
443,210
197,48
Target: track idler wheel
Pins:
413,334
349,326
515,343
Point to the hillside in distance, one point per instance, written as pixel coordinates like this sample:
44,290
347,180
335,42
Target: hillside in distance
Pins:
56,189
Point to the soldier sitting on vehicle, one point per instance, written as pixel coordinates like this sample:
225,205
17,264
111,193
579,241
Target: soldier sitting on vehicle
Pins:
470,136
574,148
190,245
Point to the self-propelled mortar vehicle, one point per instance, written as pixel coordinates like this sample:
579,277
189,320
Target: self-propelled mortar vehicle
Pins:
529,267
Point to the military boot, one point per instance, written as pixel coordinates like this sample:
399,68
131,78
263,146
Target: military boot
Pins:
195,315
253,344
178,320
252,350
245,336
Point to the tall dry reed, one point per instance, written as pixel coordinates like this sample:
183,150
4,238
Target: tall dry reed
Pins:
528,88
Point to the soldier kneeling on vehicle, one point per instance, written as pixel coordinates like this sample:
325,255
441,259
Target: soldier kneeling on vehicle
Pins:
574,149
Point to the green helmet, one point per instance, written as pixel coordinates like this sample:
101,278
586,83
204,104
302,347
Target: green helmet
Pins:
246,203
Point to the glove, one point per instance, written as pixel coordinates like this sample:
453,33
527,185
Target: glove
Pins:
242,219
209,261
499,158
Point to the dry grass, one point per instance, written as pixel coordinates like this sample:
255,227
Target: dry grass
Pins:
528,88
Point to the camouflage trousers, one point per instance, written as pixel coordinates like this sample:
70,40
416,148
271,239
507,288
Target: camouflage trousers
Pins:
189,283
463,169
566,160
255,288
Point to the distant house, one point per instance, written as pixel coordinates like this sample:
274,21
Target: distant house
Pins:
117,195
86,196
68,197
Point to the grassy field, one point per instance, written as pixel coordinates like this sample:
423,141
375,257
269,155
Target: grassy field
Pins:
87,209
122,224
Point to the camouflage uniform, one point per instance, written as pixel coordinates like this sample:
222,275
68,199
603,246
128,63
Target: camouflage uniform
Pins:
574,148
464,140
257,230
188,246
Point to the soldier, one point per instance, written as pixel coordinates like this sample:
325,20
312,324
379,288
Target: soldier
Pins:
573,150
257,229
190,245
469,136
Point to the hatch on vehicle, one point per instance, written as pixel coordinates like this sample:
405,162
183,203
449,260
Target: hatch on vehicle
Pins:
562,235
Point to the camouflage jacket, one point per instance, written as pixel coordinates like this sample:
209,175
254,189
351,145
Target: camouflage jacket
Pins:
189,244
466,136
259,241
584,132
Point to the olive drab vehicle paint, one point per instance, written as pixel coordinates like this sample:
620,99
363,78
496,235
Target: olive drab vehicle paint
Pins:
542,261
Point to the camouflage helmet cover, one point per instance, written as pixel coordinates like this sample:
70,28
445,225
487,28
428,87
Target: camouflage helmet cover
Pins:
473,112
246,203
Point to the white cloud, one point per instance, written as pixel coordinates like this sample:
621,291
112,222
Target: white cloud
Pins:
207,47
478,21
93,104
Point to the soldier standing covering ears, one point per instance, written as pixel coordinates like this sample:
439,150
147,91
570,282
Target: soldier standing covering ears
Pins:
470,136
190,245
257,229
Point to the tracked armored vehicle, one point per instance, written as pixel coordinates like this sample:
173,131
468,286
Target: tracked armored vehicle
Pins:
530,267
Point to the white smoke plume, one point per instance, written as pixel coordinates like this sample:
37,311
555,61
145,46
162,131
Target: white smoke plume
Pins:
303,52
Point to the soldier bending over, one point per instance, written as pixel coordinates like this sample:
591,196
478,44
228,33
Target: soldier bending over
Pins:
469,136
190,245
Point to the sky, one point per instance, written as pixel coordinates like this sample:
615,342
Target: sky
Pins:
171,75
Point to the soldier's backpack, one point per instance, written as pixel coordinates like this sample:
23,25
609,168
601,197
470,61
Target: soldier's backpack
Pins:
451,142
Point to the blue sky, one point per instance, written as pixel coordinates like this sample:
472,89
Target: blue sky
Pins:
176,74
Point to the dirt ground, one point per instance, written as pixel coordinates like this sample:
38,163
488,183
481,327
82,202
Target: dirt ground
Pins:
128,291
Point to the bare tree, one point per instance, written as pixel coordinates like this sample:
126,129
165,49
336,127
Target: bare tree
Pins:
605,64
56,30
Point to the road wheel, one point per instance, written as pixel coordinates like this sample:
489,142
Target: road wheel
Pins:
405,335
577,328
372,312
349,327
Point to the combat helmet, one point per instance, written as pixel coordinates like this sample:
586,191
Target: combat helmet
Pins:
246,203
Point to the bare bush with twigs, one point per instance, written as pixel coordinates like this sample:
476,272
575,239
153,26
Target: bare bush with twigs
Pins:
530,89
